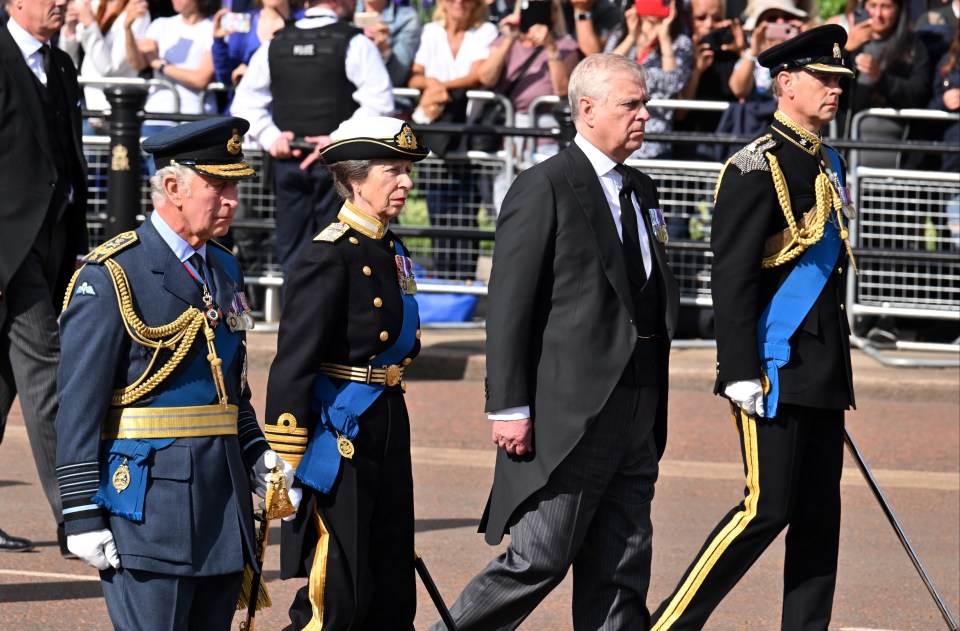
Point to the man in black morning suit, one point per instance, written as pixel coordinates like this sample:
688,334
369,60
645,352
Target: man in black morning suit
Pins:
578,334
43,215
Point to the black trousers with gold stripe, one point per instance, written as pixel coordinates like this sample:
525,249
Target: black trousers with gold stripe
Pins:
360,548
792,465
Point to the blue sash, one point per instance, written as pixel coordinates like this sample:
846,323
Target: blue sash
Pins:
193,387
793,301
340,408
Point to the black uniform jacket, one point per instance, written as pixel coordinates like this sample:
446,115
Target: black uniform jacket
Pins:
27,171
343,305
560,327
746,214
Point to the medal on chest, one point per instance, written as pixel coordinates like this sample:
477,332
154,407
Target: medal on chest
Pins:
408,283
659,225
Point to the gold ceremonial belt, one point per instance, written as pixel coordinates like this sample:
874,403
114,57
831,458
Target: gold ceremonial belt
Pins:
186,422
387,375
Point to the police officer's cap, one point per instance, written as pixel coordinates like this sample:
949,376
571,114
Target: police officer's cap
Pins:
374,138
212,147
818,50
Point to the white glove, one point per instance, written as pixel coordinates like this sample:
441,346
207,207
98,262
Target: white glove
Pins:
96,547
748,395
261,475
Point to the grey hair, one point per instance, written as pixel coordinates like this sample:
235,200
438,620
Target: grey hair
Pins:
349,171
591,78
184,177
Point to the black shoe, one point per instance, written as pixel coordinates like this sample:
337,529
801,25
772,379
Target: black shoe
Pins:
62,542
9,543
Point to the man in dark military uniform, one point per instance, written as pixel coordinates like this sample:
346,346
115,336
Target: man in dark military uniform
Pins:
779,246
335,407
157,441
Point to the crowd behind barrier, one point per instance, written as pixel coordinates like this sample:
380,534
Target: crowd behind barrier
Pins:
907,237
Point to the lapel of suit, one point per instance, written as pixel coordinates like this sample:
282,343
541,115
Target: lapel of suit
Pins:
26,88
589,193
647,200
176,280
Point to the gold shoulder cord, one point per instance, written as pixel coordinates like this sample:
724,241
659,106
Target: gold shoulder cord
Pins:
179,335
802,237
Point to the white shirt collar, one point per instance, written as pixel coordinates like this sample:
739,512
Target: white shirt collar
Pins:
601,162
28,44
180,247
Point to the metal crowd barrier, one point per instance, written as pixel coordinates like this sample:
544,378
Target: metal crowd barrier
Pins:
907,236
164,84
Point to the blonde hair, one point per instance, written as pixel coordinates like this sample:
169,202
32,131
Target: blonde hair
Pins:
478,15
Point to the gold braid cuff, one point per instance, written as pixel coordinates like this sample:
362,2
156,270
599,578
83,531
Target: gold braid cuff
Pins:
288,440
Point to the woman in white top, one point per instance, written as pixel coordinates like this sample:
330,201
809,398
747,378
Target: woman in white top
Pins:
178,48
452,48
107,31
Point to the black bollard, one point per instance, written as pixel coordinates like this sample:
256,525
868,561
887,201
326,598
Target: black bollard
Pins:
565,121
123,183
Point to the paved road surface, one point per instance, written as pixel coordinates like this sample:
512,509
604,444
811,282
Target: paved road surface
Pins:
907,426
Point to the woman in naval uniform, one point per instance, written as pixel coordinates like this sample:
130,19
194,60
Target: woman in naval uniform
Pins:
335,407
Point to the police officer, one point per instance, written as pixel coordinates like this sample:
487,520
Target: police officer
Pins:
335,404
780,259
301,85
157,441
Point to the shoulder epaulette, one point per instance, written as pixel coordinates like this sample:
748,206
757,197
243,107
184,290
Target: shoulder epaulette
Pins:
332,232
107,249
221,246
751,157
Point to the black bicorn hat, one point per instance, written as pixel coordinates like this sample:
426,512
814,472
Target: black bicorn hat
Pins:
818,50
374,138
211,147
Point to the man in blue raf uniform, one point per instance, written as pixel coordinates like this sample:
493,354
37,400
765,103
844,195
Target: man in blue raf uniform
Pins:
158,446
335,404
783,355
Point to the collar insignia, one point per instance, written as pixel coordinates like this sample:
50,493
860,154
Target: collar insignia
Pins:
235,144
405,139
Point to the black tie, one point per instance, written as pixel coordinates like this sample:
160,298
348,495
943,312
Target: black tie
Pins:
631,231
197,261
45,53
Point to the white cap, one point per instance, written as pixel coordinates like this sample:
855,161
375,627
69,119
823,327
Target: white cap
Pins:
759,7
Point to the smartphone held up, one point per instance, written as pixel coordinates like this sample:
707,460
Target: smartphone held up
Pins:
652,8
534,12
235,22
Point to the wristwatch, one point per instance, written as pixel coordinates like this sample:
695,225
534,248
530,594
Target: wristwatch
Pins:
583,16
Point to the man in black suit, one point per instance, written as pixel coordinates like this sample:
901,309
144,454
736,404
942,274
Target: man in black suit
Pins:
43,187
579,325
783,352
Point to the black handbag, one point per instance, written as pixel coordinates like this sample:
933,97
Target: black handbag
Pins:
493,114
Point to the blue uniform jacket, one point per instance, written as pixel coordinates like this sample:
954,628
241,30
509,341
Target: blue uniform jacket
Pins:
197,510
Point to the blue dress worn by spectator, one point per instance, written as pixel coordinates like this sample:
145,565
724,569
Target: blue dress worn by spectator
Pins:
666,53
397,36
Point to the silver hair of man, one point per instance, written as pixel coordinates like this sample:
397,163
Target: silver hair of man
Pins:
184,177
593,76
